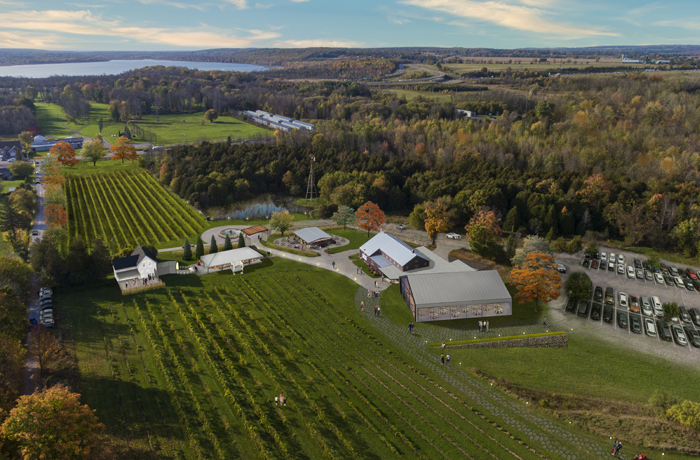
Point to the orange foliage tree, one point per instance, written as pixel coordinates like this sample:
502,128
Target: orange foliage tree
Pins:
55,215
51,174
595,190
123,149
483,230
64,153
370,217
437,218
536,279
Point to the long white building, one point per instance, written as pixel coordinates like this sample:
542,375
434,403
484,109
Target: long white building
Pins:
278,121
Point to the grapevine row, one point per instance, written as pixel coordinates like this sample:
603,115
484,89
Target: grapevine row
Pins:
185,212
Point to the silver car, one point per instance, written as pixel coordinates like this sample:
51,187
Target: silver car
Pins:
650,327
630,271
621,269
623,300
659,278
679,281
612,259
648,275
647,310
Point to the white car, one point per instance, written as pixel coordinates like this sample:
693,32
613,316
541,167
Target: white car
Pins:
630,272
623,300
679,281
621,269
613,259
658,309
646,306
454,236
650,327
603,257
621,259
659,278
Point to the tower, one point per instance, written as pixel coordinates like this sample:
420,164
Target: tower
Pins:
311,191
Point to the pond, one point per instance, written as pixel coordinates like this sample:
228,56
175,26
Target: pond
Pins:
260,208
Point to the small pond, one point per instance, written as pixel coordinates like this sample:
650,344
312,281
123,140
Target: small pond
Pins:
260,208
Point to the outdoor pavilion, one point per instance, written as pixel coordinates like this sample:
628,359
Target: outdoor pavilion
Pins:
233,260
314,236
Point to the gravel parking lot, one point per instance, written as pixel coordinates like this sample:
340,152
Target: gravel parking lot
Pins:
637,287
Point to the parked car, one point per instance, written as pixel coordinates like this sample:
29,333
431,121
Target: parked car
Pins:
454,236
48,306
611,266
561,268
659,278
623,300
400,227
603,256
693,336
649,327
673,271
603,265
697,273
582,310
594,263
637,263
621,259
571,305
678,335
669,280
640,273
679,281
610,296
45,296
598,294
634,304
621,269
695,315
596,309
636,324
648,275
664,331
696,283
646,266
689,285
645,304
608,313
621,319
612,258
684,315
630,271
585,263
45,290
35,232
691,274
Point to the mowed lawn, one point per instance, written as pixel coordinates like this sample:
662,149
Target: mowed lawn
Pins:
52,120
102,166
192,371
356,237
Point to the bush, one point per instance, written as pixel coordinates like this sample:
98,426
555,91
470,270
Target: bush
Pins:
578,286
326,211
575,245
686,413
560,245
591,248
670,310
663,399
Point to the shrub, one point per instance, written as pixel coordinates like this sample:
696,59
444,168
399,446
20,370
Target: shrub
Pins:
686,413
575,245
663,399
560,245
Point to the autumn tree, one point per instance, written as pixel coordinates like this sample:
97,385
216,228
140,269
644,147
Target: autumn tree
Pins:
53,424
437,219
55,215
370,217
211,115
530,244
12,374
64,153
47,349
483,230
123,149
536,279
344,216
94,150
281,221
51,174
595,191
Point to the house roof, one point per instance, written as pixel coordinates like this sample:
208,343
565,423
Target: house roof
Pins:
142,252
452,289
254,229
391,246
436,264
127,274
381,261
123,263
230,257
312,234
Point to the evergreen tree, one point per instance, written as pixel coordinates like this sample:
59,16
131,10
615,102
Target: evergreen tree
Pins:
551,221
241,240
199,252
550,236
512,222
227,243
187,250
213,248
568,222
511,246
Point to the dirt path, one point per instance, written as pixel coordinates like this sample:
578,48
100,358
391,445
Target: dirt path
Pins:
31,369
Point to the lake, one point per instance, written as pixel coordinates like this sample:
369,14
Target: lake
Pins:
75,69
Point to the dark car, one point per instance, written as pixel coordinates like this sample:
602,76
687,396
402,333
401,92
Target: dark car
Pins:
594,263
622,319
582,310
602,266
596,308
678,335
45,297
668,279
664,331
47,306
571,305
608,313
585,263
695,315
637,263
598,294
636,324
673,271
693,336
610,296
646,266
696,283
684,315
688,284
401,227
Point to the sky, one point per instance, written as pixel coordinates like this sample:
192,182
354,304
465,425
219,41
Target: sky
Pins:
151,25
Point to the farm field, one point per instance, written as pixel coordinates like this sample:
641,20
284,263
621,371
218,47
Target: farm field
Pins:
518,63
192,371
127,206
102,166
169,129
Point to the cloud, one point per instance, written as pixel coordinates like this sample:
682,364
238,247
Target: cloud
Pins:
84,22
319,43
263,6
172,4
517,17
299,1
24,40
240,4
682,23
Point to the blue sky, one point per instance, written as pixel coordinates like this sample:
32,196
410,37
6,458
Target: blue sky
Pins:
184,24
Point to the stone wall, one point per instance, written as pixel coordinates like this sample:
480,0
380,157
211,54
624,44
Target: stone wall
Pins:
548,341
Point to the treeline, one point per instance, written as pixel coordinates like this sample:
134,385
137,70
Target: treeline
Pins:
17,111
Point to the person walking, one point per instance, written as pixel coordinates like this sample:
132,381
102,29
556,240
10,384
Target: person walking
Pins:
442,359
362,305
479,325
448,359
544,323
379,311
361,272
333,264
443,344
614,448
618,449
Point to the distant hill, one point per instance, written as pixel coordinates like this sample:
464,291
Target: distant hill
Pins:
280,56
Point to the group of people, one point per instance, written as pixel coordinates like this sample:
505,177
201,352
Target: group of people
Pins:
377,294
411,328
617,447
483,326
442,358
377,311
140,282
281,399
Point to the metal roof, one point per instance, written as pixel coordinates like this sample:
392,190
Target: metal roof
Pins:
452,289
391,246
381,261
312,234
436,265
230,257
125,262
127,275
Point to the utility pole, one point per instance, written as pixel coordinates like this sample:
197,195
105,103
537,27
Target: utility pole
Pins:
311,191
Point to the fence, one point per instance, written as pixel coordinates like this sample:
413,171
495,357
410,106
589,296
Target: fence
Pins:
137,131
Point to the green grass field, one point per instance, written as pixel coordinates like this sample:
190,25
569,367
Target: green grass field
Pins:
8,184
102,166
52,120
356,237
192,372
